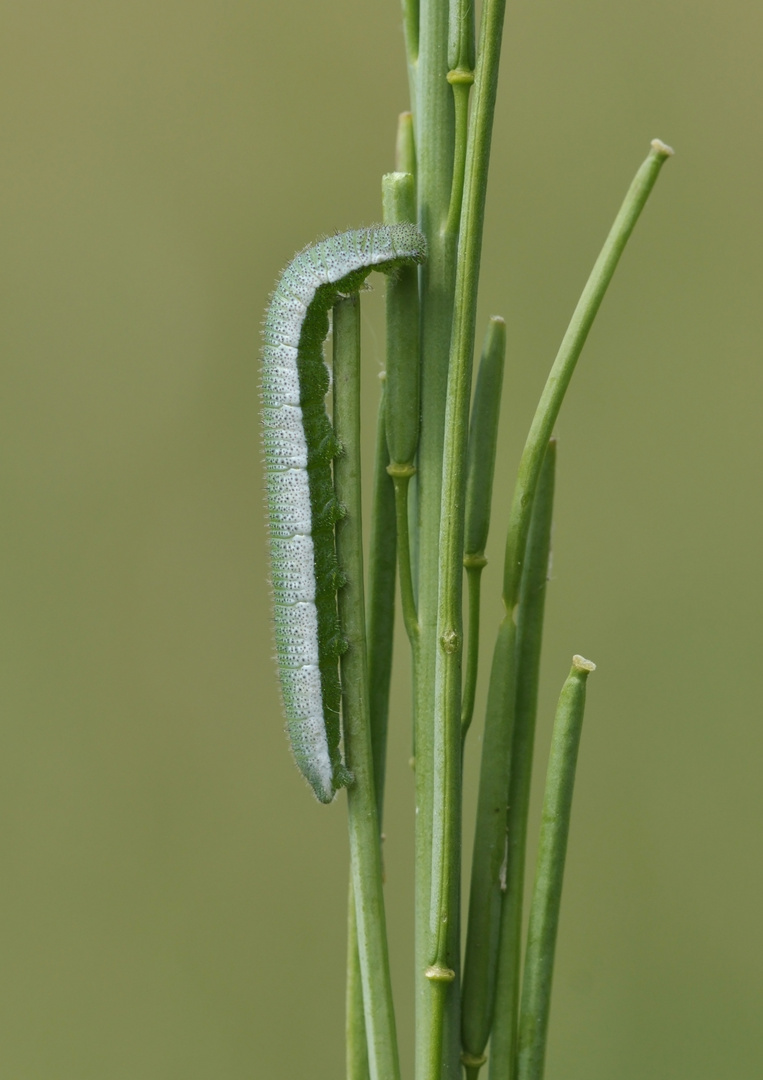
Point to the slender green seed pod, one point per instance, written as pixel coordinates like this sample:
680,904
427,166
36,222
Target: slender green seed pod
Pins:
566,359
488,868
403,377
483,436
532,595
405,145
380,605
549,874
461,35
411,28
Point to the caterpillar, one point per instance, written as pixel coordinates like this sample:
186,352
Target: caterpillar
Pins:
299,446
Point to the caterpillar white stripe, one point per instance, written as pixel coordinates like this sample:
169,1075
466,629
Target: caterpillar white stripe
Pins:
299,449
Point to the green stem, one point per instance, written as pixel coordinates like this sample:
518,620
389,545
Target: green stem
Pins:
461,81
532,597
547,893
379,634
356,1049
472,1065
365,855
564,365
446,832
434,125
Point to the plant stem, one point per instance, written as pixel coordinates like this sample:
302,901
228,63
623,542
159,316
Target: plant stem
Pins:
434,126
552,850
461,81
532,597
365,856
356,1049
446,833
380,620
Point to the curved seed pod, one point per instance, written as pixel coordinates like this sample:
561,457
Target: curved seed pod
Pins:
299,447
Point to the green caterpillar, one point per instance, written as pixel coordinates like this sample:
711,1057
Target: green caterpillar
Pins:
299,448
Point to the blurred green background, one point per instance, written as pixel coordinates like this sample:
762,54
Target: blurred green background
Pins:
171,897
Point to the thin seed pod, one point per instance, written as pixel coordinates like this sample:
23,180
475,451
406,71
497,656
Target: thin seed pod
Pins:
483,438
380,608
403,375
461,35
564,365
411,28
499,725
549,874
486,1009
405,145
532,596
480,469
483,925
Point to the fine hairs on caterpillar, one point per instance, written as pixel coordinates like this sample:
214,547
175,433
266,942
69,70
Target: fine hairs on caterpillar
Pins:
300,446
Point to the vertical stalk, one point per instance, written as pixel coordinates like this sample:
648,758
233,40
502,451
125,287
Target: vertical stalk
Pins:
446,833
549,874
379,634
365,855
356,1049
434,126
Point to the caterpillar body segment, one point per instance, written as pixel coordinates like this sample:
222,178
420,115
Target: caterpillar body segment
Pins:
299,446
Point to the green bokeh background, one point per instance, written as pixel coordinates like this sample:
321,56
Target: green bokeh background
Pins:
171,898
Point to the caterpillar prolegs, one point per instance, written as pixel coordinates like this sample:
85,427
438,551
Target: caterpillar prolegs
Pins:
302,509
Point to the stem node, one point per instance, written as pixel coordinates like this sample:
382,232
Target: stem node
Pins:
439,973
